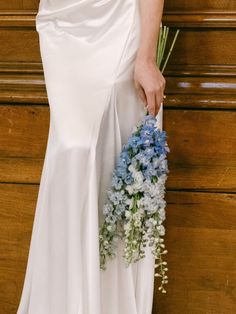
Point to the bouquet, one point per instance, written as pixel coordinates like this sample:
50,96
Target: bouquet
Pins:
135,209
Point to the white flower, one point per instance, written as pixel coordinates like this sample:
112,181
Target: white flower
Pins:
111,227
162,214
138,177
131,168
128,202
127,213
130,189
161,230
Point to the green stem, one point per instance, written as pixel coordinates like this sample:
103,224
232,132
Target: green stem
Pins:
170,51
158,47
164,42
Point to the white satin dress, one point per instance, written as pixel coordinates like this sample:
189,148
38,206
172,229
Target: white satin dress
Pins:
88,49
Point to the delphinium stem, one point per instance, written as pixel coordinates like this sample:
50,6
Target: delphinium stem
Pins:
164,41
158,48
170,51
161,47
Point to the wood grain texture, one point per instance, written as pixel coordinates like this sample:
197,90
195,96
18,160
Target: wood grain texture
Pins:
200,120
200,19
196,5
19,5
201,238
17,203
202,144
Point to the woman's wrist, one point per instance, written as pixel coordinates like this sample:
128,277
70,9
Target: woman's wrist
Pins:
147,49
144,58
151,16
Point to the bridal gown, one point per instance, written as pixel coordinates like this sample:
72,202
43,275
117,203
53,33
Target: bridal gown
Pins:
88,49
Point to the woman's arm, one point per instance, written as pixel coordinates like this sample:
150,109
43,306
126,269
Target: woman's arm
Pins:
148,80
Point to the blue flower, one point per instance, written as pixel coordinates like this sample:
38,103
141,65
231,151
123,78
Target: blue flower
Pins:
121,162
120,209
160,148
150,171
117,182
129,178
135,141
107,209
143,159
146,130
149,152
147,141
149,120
115,197
121,172
164,166
155,162
124,156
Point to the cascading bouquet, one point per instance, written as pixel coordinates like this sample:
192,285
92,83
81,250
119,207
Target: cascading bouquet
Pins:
135,209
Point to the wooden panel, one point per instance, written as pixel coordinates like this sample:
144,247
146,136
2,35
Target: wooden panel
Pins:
204,5
201,243
19,5
26,49
198,234
17,203
200,19
197,162
197,137
191,86
217,47
215,177
21,169
26,128
216,88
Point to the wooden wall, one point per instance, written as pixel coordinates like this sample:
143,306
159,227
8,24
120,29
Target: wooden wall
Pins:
200,119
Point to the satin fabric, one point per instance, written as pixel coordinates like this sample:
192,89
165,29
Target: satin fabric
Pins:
88,48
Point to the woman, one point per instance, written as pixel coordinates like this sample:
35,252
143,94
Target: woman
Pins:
99,65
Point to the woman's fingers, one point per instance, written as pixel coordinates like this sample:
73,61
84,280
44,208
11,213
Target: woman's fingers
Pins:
141,94
151,102
159,101
155,98
150,85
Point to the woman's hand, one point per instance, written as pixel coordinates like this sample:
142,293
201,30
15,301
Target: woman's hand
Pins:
148,79
149,84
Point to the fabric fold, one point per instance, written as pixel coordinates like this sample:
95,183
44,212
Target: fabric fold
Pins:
88,50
